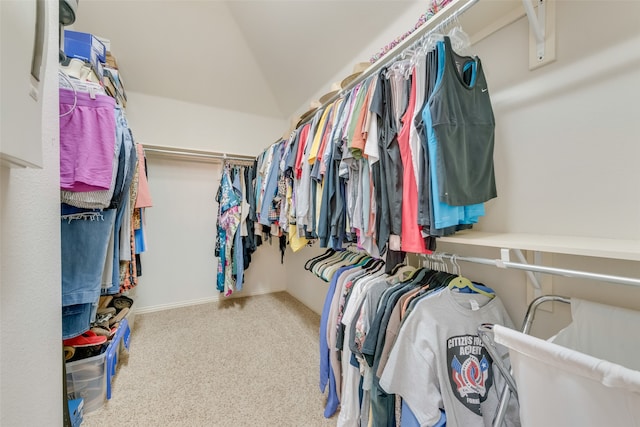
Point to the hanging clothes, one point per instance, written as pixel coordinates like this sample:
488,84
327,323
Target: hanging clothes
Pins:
379,165
249,240
238,248
102,229
445,215
411,238
464,130
229,220
236,237
380,331
438,361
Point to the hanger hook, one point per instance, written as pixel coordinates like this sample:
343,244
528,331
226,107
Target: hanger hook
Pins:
459,270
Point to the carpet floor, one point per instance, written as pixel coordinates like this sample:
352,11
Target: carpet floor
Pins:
239,362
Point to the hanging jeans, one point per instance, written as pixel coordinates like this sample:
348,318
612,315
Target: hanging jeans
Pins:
85,237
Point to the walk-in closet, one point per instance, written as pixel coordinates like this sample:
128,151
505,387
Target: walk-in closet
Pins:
319,213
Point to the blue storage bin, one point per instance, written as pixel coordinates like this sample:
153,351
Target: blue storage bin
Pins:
90,379
76,412
120,338
84,46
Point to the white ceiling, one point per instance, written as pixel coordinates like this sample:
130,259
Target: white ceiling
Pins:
264,57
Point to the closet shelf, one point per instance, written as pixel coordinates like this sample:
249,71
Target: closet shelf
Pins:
570,245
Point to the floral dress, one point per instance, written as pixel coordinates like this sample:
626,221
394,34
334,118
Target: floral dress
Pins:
228,222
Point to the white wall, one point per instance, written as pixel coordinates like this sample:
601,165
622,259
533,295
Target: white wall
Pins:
302,284
30,293
179,267
398,25
163,121
566,138
566,153
566,150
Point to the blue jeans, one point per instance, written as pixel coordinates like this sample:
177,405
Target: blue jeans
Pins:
77,319
85,237
115,278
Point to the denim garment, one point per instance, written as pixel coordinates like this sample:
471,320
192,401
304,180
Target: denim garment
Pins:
85,237
76,319
107,272
272,186
122,205
126,162
114,286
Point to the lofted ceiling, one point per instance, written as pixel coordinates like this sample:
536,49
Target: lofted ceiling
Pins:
261,57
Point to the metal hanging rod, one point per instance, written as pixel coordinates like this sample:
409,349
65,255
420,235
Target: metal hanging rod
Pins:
201,154
438,21
540,269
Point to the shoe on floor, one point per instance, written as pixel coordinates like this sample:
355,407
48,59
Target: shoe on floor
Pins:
118,317
101,331
105,300
69,352
106,310
122,302
87,339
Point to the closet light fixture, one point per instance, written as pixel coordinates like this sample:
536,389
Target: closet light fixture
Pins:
67,12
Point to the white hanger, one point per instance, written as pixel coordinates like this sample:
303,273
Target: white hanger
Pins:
75,92
460,41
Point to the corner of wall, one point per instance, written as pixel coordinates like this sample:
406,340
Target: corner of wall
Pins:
30,291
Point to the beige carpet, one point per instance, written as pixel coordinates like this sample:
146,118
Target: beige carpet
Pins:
240,362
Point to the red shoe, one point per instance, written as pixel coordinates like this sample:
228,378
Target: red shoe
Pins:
87,339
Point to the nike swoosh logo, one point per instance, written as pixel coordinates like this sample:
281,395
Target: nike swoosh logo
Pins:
484,90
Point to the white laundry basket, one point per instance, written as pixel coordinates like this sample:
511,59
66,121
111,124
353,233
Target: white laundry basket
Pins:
587,375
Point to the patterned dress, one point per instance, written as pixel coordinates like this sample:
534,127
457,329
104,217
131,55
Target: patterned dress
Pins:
228,222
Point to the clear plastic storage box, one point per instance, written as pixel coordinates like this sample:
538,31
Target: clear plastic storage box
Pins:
86,379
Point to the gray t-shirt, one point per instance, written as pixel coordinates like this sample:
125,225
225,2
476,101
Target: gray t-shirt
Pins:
438,361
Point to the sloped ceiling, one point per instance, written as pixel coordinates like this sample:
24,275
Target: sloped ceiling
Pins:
262,57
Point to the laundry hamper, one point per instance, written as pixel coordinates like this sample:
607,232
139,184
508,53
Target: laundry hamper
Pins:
587,375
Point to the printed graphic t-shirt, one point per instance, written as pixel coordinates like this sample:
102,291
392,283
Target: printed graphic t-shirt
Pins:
438,361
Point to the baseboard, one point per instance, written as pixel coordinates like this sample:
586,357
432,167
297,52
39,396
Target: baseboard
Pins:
162,307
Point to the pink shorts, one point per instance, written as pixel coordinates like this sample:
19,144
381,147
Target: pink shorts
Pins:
87,141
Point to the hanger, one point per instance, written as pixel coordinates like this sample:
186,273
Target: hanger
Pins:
404,270
460,41
455,266
332,259
308,264
460,282
396,267
439,265
75,92
438,279
433,37
368,263
419,271
352,258
377,265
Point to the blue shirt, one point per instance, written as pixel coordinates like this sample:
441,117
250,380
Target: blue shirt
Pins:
326,372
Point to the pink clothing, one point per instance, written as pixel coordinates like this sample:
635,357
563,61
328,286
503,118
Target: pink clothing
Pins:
87,141
411,236
301,146
144,196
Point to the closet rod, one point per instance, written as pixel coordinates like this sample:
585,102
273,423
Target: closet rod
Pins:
539,269
438,20
189,152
